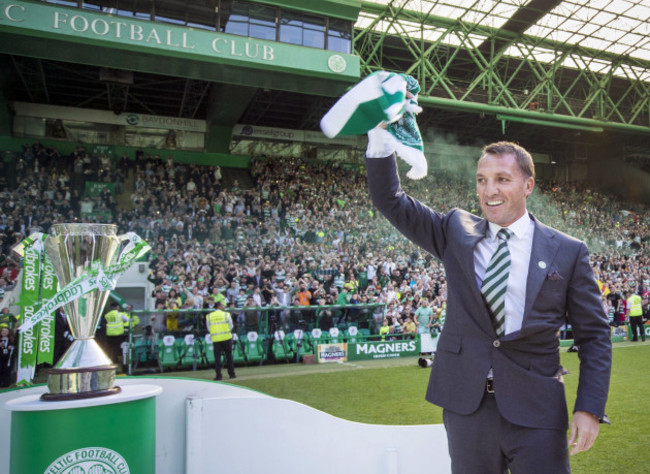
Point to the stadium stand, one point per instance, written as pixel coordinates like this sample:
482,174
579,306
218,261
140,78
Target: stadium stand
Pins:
299,222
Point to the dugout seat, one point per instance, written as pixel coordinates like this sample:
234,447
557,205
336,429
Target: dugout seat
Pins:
335,336
209,349
253,347
352,335
168,351
280,348
190,346
298,343
317,336
141,349
238,350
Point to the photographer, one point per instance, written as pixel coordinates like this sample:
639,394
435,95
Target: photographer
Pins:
325,315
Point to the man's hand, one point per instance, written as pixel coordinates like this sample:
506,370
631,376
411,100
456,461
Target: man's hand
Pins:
584,430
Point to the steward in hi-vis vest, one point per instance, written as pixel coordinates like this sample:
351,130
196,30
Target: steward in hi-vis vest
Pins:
115,320
220,325
635,312
132,320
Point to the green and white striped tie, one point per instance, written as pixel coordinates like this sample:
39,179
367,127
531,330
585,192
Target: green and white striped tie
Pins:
495,282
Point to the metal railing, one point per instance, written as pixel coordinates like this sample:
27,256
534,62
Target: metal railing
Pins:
181,334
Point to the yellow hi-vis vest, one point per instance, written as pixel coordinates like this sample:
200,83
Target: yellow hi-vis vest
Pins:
135,318
114,325
636,306
218,326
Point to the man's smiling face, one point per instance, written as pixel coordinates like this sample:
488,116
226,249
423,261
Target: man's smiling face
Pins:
502,188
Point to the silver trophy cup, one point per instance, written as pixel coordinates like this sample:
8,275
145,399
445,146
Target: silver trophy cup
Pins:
84,370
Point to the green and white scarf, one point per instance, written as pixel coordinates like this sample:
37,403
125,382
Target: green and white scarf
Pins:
382,97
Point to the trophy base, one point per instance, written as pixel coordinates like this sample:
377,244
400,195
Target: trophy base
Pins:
76,384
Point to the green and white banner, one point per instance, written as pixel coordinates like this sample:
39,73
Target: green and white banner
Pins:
29,298
46,326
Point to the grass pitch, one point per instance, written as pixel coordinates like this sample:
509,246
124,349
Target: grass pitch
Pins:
392,392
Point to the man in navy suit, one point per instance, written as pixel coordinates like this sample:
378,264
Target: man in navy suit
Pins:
501,387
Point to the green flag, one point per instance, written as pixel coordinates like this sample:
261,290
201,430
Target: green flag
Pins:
46,326
29,296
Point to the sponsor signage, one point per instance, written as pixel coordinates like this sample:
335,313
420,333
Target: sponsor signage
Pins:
158,121
383,349
272,133
645,328
84,27
102,116
619,333
95,188
332,352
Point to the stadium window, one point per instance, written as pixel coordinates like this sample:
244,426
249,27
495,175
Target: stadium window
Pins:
71,3
339,35
142,9
166,19
313,31
291,28
91,6
237,20
210,27
262,22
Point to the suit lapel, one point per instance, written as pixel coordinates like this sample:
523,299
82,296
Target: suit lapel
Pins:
475,233
545,247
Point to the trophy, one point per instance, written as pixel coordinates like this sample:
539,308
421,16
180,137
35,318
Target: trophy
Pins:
76,250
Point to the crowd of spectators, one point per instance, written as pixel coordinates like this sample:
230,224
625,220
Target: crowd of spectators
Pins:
302,233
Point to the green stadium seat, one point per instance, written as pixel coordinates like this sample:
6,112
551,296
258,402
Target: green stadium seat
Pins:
188,347
209,349
253,347
365,333
353,335
316,337
298,344
141,349
238,350
168,352
280,349
335,336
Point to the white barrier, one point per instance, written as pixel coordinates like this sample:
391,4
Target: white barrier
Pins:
253,432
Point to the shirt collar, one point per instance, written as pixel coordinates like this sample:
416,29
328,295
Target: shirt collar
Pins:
519,228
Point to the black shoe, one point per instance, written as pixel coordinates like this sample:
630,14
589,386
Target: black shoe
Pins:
233,376
218,377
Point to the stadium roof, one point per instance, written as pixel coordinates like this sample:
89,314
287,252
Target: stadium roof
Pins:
616,27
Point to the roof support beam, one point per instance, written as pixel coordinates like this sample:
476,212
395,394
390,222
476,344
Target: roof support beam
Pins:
540,118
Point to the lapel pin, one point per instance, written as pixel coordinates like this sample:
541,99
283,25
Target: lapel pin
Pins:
541,264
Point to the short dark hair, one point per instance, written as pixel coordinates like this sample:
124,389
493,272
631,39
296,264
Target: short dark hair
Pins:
524,160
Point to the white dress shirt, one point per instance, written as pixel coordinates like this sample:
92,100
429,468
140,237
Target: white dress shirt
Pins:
520,245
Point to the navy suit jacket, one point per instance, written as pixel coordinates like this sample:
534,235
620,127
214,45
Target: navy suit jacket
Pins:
525,363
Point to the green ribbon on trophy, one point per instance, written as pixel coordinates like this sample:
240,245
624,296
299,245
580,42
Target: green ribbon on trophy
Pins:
46,326
32,251
39,276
